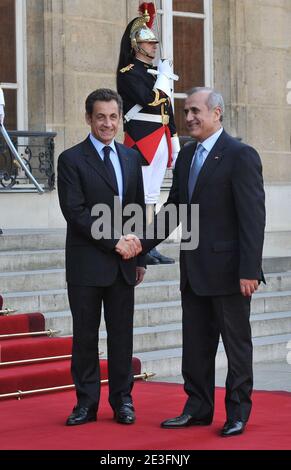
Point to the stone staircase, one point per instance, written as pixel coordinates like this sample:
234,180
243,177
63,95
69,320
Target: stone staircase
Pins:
32,278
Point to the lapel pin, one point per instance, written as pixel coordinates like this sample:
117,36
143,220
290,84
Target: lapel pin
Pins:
217,157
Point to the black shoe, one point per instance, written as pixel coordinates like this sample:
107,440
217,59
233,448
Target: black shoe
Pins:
161,258
125,414
232,428
81,415
183,421
1,231
151,259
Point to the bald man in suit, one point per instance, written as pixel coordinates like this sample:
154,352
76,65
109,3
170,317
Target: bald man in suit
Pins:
224,177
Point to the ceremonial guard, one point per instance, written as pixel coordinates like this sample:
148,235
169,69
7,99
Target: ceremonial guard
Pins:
149,124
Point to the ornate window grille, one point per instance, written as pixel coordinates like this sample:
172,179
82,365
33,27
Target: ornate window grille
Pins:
37,151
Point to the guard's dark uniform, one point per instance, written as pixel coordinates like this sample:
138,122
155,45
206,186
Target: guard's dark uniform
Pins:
136,86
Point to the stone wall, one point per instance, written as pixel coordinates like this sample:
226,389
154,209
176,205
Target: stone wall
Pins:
252,66
73,46
73,49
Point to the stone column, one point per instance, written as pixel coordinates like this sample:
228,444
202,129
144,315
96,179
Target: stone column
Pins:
252,68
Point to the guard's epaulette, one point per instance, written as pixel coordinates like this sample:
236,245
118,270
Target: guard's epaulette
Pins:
127,68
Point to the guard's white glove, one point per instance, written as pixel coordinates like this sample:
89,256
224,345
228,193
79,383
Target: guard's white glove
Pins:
2,114
164,76
165,68
175,149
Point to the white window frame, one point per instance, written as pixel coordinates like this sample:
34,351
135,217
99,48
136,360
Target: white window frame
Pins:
21,65
167,15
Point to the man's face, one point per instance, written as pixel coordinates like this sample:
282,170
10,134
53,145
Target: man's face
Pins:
150,48
104,120
200,121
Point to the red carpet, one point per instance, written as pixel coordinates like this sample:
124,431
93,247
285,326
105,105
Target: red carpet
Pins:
45,374
22,323
38,423
30,348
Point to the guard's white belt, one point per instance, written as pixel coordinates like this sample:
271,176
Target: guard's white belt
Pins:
148,117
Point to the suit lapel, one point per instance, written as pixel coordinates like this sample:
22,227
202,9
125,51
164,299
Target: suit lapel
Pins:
212,161
93,159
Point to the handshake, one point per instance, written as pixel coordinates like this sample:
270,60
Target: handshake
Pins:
128,246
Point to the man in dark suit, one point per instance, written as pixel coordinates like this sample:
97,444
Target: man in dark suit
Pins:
100,171
224,177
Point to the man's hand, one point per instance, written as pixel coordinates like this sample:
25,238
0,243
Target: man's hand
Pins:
128,247
135,240
140,272
248,286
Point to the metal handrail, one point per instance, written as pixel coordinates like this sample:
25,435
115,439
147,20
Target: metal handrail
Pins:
48,332
19,159
36,150
19,394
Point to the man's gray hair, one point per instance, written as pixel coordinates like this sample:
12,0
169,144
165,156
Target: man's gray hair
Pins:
214,98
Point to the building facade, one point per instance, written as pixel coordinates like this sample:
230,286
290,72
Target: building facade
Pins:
55,52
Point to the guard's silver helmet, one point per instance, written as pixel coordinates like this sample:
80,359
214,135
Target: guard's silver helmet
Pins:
140,32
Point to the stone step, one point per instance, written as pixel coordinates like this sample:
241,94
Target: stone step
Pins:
24,281
54,300
268,302
30,260
54,279
167,362
152,314
55,305
161,313
44,239
269,324
12,240
170,335
168,289
277,281
151,338
276,264
37,301
60,321
165,272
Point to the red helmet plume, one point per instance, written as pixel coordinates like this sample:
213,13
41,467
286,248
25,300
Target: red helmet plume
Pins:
151,9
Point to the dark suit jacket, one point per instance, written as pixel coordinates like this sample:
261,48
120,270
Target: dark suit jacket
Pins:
83,181
230,194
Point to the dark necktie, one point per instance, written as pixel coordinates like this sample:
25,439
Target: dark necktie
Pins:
110,167
195,170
